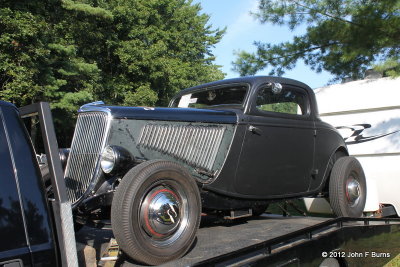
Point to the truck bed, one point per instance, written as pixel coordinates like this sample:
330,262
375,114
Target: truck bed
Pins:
215,237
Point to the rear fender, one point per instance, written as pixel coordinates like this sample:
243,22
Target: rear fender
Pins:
338,153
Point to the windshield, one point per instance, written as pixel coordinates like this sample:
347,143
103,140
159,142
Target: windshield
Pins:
233,95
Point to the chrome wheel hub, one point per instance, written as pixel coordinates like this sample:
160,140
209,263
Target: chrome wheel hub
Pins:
353,191
163,214
163,211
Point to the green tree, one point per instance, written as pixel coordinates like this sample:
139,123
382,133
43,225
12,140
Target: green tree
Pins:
147,50
131,52
163,46
344,37
37,65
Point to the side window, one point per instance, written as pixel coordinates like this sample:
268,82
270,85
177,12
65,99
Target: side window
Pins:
282,100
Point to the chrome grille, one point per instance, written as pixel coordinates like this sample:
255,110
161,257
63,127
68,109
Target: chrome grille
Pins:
87,144
195,145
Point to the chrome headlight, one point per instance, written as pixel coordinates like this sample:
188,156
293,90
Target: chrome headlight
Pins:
115,159
108,159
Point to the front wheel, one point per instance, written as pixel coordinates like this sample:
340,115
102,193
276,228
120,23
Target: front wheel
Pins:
347,188
155,212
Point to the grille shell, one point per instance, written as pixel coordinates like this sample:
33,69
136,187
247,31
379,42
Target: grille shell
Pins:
89,140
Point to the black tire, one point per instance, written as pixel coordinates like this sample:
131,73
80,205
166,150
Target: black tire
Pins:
347,188
149,234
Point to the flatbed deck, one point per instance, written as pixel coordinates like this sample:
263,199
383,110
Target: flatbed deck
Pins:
215,237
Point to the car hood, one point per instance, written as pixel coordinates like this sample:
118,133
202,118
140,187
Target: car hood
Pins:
165,114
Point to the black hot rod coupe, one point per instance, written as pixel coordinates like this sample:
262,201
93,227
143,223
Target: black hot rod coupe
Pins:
228,147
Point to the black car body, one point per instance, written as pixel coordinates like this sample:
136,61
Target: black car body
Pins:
269,148
227,146
252,154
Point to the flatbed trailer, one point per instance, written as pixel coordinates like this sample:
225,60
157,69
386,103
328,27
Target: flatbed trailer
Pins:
274,240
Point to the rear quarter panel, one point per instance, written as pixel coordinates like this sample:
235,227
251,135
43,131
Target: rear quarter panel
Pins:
327,142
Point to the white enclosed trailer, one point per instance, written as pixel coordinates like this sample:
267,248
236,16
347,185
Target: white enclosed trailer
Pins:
367,114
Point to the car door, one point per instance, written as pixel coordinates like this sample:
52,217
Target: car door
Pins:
278,146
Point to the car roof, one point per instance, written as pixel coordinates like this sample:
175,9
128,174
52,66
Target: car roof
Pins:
252,80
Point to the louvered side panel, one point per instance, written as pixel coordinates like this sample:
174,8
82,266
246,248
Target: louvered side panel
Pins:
195,145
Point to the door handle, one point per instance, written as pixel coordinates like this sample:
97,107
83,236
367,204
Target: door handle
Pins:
254,129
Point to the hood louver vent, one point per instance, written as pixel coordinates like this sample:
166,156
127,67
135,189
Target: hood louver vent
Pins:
195,145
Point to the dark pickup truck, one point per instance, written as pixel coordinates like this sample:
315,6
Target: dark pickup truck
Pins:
34,231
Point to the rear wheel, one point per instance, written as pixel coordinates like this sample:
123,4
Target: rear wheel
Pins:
347,188
155,212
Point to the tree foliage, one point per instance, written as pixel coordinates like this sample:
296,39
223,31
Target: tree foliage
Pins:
344,37
124,52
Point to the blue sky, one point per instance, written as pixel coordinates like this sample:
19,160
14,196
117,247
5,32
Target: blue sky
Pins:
243,30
